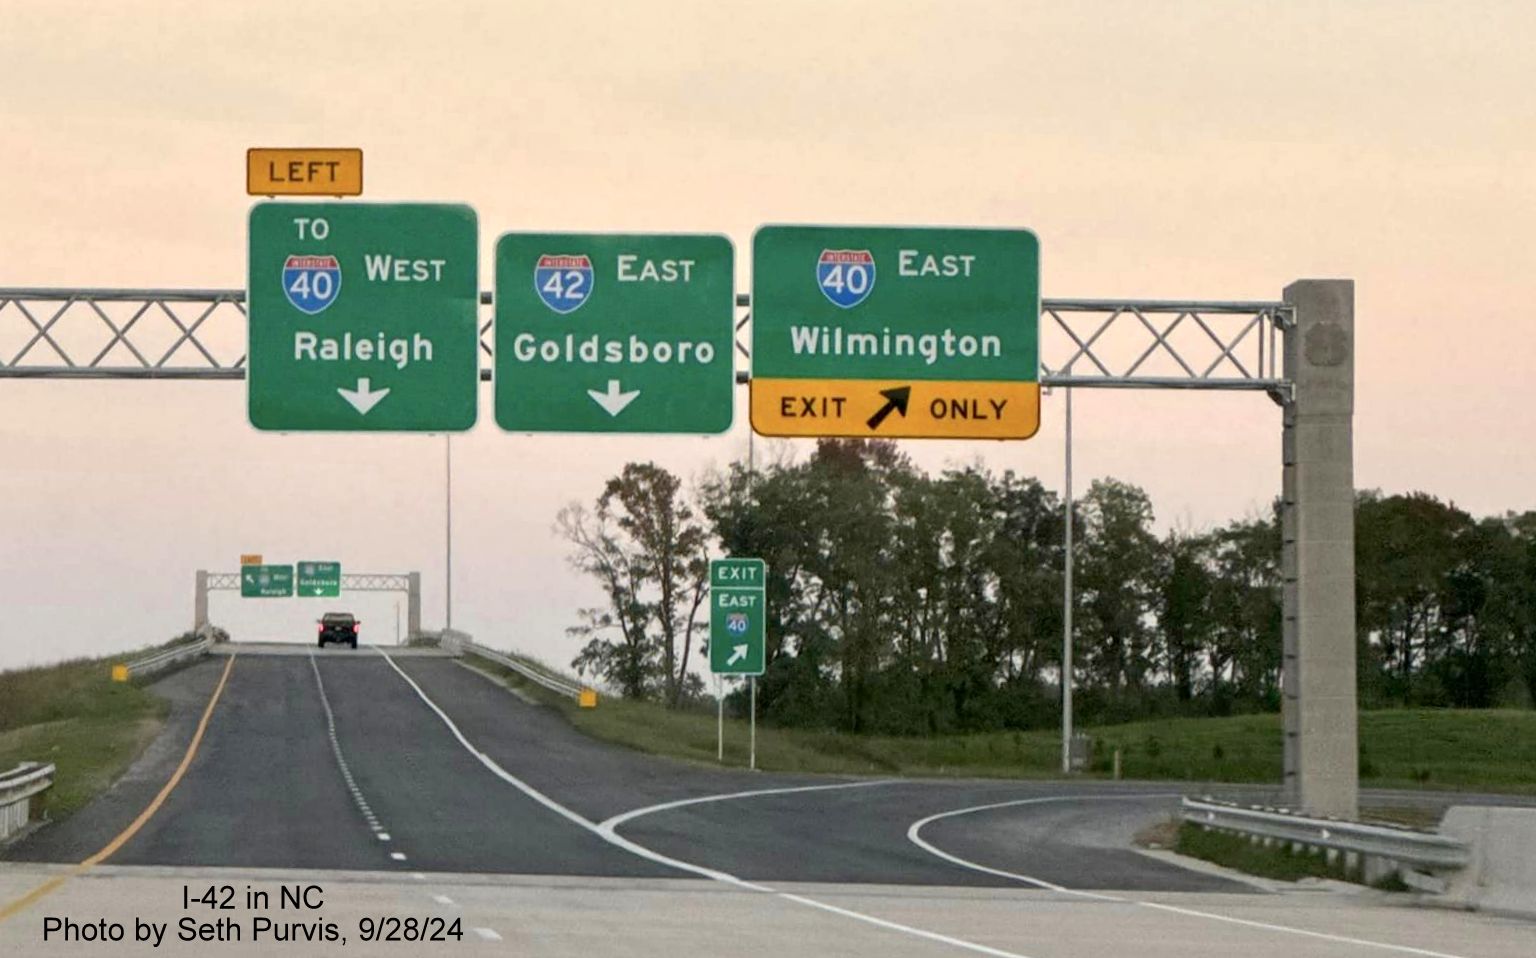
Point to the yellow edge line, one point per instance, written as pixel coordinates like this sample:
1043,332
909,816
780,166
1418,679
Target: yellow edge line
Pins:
122,839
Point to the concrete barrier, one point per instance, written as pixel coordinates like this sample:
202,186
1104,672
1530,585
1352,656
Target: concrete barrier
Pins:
1501,876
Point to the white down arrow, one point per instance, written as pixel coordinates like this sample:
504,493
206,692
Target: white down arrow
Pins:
363,398
613,400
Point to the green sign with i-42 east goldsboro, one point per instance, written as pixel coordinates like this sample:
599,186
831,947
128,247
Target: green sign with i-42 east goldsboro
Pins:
319,579
599,332
738,616
363,317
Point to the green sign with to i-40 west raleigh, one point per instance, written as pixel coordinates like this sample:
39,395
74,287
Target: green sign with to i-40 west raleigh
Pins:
363,317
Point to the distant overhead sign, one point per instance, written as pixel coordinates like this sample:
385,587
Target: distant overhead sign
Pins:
599,332
304,172
363,317
895,332
738,620
266,581
250,558
319,579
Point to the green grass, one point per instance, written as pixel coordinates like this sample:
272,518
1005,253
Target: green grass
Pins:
1421,748
1276,861
76,717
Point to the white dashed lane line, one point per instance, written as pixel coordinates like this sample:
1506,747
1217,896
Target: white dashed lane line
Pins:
489,934
341,762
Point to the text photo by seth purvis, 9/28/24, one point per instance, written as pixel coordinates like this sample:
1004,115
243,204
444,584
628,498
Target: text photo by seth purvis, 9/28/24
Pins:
288,913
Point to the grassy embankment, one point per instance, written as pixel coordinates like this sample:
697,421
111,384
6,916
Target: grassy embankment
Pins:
1276,862
1411,748
73,715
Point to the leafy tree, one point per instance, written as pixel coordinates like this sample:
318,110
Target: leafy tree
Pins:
1184,606
1118,579
648,550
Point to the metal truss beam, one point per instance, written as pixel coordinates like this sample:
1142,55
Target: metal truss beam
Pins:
350,582
48,333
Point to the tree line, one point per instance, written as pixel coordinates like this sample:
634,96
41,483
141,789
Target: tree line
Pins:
901,602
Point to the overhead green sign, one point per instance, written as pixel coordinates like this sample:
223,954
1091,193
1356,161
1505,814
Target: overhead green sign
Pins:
266,581
363,317
738,616
319,579
614,333
895,332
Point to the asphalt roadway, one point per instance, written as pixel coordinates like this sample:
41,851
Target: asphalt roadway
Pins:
410,784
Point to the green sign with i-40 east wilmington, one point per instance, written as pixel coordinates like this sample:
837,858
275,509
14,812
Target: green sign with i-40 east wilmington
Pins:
895,332
363,317
738,616
600,332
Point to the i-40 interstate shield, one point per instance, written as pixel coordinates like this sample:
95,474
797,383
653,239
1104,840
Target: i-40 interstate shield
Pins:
363,317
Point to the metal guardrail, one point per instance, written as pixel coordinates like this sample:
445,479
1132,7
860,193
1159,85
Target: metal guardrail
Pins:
1424,851
554,683
16,790
160,661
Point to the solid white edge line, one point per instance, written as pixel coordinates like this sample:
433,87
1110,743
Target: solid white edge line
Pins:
606,832
917,839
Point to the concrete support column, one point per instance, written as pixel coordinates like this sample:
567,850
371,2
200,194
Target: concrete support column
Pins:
200,602
1318,551
413,607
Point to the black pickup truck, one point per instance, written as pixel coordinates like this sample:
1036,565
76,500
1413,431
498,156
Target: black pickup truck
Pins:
338,627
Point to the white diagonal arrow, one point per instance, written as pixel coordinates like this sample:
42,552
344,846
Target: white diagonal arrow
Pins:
363,398
613,400
738,652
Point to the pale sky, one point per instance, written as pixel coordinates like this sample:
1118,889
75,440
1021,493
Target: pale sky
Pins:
1197,150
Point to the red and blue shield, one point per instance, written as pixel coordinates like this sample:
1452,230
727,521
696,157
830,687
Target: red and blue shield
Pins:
846,276
563,280
736,623
311,282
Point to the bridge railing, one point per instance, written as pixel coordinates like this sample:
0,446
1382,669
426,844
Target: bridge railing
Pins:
160,661
554,683
16,790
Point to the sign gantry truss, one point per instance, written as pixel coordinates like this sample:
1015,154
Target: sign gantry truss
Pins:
350,582
201,334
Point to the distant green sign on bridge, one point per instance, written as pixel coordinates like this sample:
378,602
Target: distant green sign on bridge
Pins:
319,579
266,581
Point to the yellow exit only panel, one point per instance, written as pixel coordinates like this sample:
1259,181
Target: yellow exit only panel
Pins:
895,409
